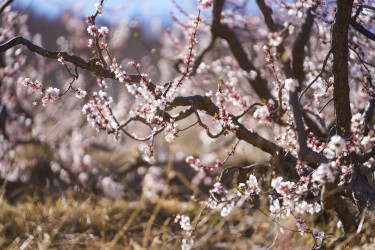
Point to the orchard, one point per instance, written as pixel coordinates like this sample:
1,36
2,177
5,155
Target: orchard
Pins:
245,125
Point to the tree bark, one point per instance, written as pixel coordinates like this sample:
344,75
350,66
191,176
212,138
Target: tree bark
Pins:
340,67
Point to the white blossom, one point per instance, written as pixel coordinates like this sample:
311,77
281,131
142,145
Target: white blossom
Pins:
326,172
291,84
110,187
337,144
99,8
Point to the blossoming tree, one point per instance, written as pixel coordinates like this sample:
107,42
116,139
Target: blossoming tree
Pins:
297,85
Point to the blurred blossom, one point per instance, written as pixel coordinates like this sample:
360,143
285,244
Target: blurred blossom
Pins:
291,84
83,177
110,187
337,144
153,183
326,172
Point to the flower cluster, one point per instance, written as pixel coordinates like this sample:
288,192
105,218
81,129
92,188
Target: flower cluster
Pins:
171,131
223,117
357,126
337,144
291,85
206,3
198,166
80,93
326,172
49,95
263,115
110,187
188,240
99,112
250,189
290,195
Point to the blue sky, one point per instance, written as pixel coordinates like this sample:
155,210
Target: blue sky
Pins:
115,9
151,13
118,9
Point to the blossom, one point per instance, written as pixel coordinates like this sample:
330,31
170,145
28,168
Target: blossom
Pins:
91,43
187,243
250,188
301,225
103,32
303,207
326,172
80,93
291,84
61,60
337,144
194,163
110,187
262,114
92,30
50,95
184,221
275,39
253,75
368,142
171,132
64,176
275,183
83,177
275,209
99,8
357,123
206,3
34,86
227,209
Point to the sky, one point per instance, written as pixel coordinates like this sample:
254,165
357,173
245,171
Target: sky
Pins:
152,14
118,9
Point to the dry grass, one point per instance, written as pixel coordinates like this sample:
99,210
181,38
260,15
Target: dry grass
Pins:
38,219
86,221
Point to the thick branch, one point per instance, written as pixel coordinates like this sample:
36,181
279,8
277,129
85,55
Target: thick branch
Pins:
4,5
267,14
76,60
283,161
358,27
341,102
332,200
299,46
225,32
298,57
340,67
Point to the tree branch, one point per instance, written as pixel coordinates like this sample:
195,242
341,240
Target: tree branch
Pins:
267,14
358,27
342,103
4,5
76,60
225,32
340,67
299,44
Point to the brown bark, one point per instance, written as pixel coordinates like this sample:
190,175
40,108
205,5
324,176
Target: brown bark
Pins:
340,67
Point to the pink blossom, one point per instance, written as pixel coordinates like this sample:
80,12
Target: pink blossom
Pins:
103,32
50,95
206,3
92,30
